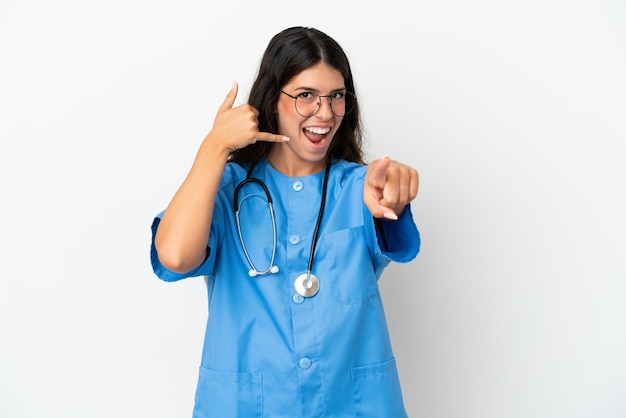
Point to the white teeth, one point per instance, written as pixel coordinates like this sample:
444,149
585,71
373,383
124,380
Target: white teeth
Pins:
319,131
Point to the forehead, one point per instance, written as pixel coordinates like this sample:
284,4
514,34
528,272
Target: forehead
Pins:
321,77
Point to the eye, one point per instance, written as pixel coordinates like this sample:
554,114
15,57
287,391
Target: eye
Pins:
340,95
307,95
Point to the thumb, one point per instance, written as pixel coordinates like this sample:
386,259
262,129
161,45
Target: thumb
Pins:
230,98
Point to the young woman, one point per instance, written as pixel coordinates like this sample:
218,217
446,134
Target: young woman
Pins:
292,231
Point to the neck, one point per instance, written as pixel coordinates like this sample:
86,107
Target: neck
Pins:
294,167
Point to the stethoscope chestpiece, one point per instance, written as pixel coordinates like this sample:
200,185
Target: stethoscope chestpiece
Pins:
307,285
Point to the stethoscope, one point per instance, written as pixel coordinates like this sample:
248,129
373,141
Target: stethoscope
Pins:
306,284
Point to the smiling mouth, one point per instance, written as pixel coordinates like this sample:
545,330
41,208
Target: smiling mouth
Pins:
316,135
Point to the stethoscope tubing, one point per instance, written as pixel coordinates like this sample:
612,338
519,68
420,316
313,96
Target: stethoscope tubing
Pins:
271,268
303,279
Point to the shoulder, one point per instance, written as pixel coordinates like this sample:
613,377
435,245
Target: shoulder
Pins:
349,170
233,174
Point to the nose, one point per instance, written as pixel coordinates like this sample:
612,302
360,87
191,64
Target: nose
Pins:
325,111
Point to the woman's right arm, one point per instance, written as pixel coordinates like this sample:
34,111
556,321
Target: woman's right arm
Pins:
183,233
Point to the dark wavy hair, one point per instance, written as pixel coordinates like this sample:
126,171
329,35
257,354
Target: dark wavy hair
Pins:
288,53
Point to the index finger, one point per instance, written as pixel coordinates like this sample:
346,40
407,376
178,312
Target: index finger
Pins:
378,175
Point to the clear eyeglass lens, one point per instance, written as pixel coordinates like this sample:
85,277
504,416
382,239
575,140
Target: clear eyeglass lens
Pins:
309,105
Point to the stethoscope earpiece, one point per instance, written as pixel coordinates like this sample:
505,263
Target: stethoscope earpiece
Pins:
253,272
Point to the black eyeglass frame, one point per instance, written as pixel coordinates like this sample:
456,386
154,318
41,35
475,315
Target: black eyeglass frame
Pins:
348,94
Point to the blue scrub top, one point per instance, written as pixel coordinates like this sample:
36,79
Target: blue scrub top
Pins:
268,352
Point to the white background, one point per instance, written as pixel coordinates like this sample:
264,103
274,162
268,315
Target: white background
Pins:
513,112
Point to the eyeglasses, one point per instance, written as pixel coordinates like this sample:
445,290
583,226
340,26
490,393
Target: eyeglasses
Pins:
309,103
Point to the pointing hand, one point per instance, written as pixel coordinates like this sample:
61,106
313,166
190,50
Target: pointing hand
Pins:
389,187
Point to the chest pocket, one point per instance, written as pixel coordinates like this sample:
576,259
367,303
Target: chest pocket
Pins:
348,267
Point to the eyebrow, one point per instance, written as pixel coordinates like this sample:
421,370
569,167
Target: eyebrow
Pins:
318,91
